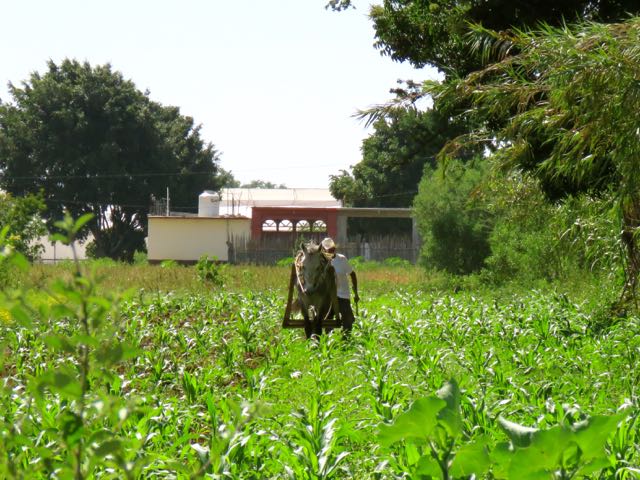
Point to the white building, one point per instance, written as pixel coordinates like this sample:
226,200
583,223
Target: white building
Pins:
187,237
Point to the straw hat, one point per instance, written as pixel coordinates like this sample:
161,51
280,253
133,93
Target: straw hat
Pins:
328,243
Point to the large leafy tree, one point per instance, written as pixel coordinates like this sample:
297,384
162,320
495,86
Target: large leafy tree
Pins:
578,88
393,158
438,33
93,143
435,32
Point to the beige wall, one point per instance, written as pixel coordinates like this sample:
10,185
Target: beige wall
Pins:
57,251
188,238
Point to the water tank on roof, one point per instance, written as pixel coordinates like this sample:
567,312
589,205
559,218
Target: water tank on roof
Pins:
209,204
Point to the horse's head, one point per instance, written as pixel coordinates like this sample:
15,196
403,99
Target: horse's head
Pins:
313,268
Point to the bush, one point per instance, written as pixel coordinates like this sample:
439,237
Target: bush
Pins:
22,217
140,258
535,239
452,221
396,262
210,271
285,262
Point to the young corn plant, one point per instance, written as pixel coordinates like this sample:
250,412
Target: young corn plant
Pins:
314,443
68,402
234,449
383,391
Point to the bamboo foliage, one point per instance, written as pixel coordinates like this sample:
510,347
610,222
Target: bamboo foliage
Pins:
563,104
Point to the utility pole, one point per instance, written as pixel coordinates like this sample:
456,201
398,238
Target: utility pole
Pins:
168,211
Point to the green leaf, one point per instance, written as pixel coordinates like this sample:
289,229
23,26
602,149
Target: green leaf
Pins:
58,237
592,434
21,316
59,343
416,423
412,454
20,261
543,456
60,382
501,459
108,447
66,385
471,458
427,466
82,221
72,427
61,311
519,435
110,354
450,416
594,466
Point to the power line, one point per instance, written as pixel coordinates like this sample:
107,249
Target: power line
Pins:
160,174
108,175
108,203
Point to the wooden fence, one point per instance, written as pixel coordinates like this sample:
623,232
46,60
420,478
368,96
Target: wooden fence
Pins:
269,249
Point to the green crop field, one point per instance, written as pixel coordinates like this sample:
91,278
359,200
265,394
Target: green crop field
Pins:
175,377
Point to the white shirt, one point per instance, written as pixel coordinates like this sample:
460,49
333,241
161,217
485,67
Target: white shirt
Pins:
343,269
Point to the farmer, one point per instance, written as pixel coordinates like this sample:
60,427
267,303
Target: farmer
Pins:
343,269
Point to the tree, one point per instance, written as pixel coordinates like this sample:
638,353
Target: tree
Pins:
393,158
452,221
93,143
22,216
263,184
435,32
227,180
578,88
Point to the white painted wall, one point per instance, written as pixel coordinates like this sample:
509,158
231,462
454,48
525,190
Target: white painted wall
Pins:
188,238
54,252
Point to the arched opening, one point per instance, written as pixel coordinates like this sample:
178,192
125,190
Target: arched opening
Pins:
319,226
269,226
303,226
285,226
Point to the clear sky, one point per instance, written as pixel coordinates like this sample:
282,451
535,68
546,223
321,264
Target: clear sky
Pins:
274,83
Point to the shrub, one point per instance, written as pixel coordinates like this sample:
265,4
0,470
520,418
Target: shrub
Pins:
285,262
168,264
140,258
396,262
452,221
22,217
210,270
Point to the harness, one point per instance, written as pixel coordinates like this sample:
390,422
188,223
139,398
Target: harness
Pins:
298,264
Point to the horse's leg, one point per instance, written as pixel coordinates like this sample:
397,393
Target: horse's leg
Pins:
308,330
315,321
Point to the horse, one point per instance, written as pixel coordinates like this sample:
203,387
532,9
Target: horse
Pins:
316,288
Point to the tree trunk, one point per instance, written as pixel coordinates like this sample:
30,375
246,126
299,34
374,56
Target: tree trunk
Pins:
630,229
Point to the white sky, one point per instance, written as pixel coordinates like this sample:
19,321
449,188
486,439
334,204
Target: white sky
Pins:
274,83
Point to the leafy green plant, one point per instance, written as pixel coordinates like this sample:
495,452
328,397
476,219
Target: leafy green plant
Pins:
70,402
314,441
210,271
396,262
285,262
453,223
432,431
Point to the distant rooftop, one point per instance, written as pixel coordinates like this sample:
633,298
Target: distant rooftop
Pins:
239,201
